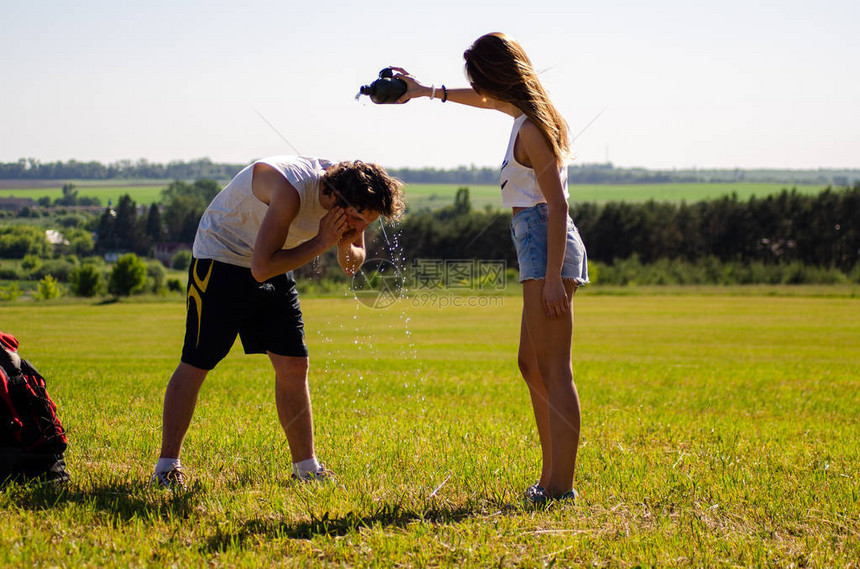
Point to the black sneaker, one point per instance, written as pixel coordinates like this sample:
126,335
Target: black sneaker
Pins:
173,479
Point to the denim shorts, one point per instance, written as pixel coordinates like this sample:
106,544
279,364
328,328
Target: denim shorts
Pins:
529,231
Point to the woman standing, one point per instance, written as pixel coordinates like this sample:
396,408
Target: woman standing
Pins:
550,253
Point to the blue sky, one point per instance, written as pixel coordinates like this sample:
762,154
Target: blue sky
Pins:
729,84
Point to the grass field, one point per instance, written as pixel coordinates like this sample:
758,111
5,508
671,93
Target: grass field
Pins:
434,196
142,194
717,431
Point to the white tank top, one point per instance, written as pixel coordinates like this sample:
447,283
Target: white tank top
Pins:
229,226
519,183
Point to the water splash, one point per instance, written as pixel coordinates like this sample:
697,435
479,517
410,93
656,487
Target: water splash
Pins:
395,252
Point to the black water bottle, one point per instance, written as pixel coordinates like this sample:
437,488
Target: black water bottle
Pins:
386,89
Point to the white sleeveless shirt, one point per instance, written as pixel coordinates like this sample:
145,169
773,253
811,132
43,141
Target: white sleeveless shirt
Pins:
229,226
519,183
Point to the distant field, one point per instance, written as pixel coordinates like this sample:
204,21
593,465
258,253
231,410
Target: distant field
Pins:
434,196
115,183
142,194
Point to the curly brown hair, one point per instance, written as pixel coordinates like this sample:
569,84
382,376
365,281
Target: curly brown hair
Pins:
363,185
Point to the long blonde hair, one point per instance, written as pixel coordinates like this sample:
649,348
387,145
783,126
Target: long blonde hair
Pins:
499,67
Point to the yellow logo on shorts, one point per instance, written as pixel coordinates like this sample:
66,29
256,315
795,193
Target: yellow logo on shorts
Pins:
194,293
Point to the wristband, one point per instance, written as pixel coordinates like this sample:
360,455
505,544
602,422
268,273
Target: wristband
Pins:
444,93
432,91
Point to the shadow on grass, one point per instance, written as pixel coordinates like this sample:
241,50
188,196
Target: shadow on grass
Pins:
123,500
139,501
390,515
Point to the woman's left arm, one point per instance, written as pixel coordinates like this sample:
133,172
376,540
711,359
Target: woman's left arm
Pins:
545,166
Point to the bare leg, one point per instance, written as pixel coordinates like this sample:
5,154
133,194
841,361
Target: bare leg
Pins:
531,373
294,404
179,402
551,341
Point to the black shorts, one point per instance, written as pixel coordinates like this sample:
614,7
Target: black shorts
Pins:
225,300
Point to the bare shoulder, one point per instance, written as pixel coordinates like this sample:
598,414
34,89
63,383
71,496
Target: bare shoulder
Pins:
536,151
531,132
269,184
533,139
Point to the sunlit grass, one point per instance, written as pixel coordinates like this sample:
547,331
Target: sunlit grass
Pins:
717,430
141,194
434,196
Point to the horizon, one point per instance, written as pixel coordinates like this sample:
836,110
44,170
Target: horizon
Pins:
134,161
672,85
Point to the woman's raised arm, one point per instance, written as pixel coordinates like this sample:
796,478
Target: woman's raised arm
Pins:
464,96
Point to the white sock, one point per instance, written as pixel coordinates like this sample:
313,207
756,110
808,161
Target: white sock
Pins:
303,467
166,465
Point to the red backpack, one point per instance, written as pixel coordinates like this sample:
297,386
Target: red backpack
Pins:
32,439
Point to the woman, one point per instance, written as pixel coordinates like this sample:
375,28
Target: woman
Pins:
550,252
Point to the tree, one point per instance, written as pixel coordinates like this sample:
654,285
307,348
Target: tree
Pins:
204,190
31,263
121,229
462,205
181,217
181,260
80,242
184,205
70,196
154,230
128,230
17,241
155,275
128,276
86,280
106,231
48,289
11,292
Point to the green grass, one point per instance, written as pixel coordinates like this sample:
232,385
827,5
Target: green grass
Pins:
434,196
691,192
142,194
717,431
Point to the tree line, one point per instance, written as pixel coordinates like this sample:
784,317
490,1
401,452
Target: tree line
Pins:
175,219
607,173
787,238
788,228
33,169
820,230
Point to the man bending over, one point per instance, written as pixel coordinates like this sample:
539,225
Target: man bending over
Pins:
275,216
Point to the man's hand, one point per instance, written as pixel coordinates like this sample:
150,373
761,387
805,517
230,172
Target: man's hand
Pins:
354,229
333,225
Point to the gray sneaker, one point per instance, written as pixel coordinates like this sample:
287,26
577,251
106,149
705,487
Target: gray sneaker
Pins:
537,496
321,475
534,494
569,497
173,479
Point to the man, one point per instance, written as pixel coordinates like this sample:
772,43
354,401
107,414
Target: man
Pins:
276,215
